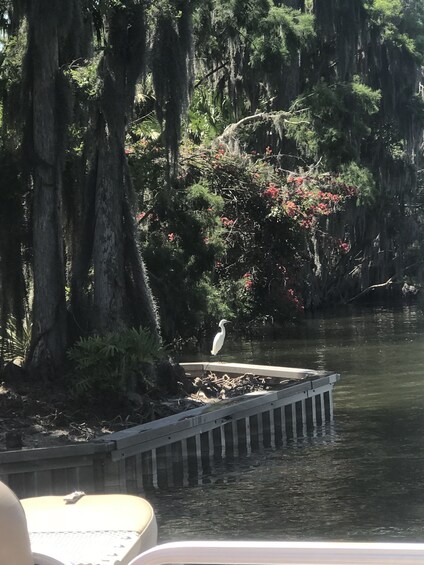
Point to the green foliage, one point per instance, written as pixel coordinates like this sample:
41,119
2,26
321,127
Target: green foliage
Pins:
12,58
385,10
239,302
333,121
148,129
366,100
228,235
85,78
231,239
247,45
400,22
413,23
11,73
218,301
391,141
362,178
181,236
15,339
278,36
266,219
205,116
115,363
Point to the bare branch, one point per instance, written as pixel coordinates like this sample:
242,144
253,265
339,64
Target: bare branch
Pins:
229,135
210,73
389,282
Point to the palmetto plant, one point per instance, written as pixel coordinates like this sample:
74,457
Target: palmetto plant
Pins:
15,339
117,362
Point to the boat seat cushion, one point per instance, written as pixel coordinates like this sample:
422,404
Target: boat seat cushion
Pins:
15,548
89,513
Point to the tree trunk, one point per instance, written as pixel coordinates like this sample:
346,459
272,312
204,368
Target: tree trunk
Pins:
142,303
49,308
108,246
122,295
108,249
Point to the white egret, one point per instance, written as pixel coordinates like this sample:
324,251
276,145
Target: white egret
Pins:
218,340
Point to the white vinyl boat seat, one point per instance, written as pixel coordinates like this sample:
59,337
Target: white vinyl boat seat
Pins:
104,529
15,547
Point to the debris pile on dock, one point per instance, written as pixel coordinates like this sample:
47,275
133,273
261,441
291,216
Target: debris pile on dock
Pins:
226,386
213,387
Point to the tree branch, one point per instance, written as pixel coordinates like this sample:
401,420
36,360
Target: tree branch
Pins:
229,134
210,73
389,282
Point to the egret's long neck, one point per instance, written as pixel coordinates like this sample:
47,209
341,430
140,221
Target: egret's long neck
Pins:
223,330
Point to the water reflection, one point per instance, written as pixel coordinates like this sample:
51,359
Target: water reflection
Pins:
192,460
360,478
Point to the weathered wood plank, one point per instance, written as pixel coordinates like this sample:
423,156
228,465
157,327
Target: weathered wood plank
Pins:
246,368
43,465
59,452
44,482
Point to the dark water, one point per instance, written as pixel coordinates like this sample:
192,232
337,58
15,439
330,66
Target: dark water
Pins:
362,479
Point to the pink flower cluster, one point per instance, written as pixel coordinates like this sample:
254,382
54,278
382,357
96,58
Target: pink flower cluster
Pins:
296,180
248,281
307,197
272,191
329,196
291,208
345,247
220,153
226,222
294,299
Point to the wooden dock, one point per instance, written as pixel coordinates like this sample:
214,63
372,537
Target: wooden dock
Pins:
181,449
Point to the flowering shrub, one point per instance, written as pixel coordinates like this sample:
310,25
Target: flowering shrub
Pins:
306,198
234,236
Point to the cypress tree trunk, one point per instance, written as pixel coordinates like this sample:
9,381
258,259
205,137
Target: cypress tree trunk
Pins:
49,309
108,247
122,294
108,256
